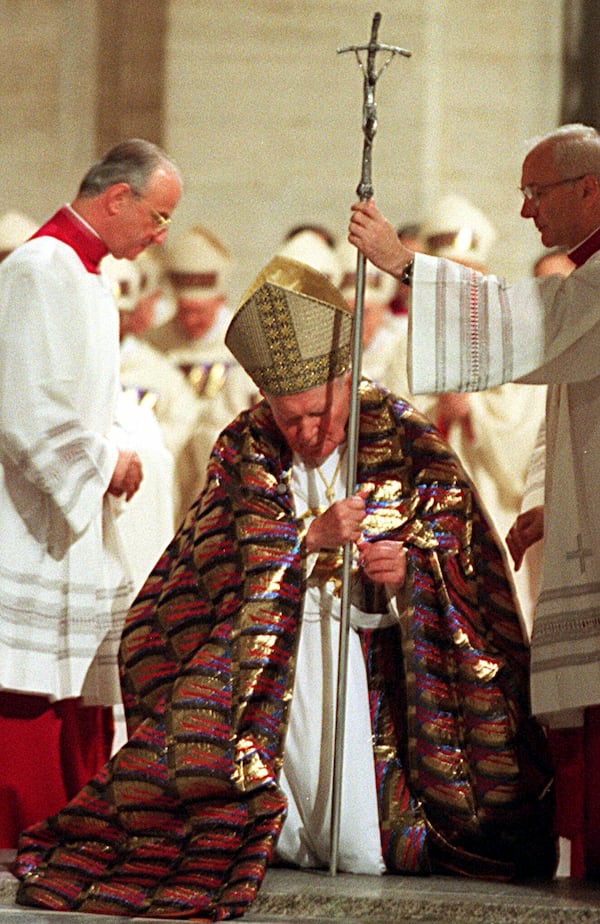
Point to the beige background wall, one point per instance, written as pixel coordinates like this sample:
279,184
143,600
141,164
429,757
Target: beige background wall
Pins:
264,117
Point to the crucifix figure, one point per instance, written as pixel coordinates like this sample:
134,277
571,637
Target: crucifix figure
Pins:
370,77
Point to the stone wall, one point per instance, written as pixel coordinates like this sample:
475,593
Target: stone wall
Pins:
47,98
264,116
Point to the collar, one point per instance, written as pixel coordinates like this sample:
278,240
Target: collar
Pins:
67,226
586,249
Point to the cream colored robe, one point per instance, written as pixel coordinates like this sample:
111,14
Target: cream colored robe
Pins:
64,590
470,332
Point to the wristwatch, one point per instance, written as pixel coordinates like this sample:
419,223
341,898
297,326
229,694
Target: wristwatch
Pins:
407,273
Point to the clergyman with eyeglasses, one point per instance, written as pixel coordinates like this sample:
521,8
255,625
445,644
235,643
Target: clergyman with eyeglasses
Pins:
64,587
471,332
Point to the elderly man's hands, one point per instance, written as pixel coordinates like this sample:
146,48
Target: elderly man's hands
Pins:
341,523
377,239
127,475
383,561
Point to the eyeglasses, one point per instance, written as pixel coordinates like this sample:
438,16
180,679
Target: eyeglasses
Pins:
161,222
532,191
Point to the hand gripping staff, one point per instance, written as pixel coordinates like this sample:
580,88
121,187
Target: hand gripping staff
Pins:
365,191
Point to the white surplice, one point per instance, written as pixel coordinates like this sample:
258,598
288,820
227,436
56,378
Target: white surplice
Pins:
64,591
146,521
308,763
471,332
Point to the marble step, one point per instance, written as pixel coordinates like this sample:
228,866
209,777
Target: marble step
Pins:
301,897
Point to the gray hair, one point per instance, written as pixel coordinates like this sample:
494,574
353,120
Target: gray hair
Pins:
575,148
132,162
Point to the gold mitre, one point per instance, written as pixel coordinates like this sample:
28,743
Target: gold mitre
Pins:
292,330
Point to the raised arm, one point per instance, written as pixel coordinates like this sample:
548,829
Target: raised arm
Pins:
373,234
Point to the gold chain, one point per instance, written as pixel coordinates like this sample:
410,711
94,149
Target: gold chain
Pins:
330,485
329,489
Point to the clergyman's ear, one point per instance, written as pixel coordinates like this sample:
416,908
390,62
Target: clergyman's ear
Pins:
116,195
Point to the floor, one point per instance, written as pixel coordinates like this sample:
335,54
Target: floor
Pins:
299,897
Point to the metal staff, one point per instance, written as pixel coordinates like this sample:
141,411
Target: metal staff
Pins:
365,191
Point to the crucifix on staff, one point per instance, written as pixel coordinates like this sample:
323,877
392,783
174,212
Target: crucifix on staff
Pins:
365,191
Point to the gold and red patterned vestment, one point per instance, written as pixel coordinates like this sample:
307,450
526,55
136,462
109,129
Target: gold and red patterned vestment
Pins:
184,820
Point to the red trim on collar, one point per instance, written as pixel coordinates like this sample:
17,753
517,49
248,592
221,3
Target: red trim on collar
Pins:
586,249
65,227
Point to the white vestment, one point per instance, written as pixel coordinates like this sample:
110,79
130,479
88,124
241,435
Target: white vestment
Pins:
162,387
64,592
146,521
158,384
471,332
306,777
533,496
384,357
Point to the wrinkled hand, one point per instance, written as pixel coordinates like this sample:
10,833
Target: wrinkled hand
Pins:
341,523
377,239
127,475
383,562
454,408
527,529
